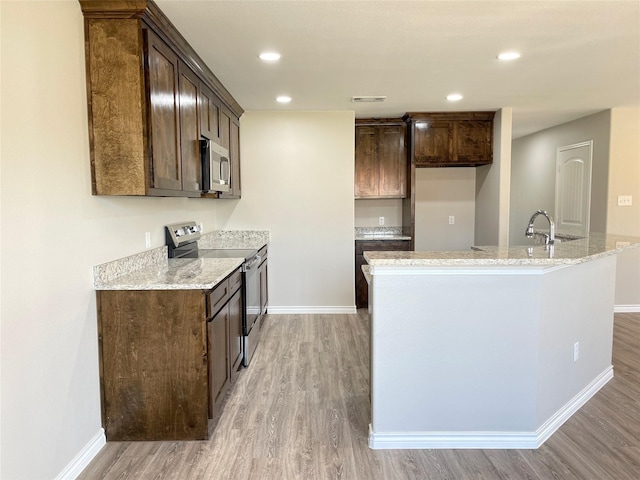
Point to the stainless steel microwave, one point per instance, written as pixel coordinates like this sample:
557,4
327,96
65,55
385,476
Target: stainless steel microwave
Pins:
215,167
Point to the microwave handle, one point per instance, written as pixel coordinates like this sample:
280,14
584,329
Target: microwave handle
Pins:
225,171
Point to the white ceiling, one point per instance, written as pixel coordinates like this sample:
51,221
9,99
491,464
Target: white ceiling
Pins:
578,57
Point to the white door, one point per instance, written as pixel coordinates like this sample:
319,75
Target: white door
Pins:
573,188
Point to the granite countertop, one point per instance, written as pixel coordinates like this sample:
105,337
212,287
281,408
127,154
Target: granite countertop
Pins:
563,253
175,274
365,237
379,233
152,270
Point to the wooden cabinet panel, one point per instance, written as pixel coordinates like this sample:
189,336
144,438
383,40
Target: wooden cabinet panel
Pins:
163,114
234,158
153,370
225,128
380,160
230,139
473,140
209,108
366,162
219,366
189,87
115,91
361,246
393,161
451,139
433,141
235,334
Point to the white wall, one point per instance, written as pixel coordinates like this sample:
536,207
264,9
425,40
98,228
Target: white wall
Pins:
53,231
624,179
369,211
493,186
297,182
440,193
533,171
616,171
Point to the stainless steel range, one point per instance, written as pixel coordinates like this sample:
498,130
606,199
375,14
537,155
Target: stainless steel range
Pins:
182,242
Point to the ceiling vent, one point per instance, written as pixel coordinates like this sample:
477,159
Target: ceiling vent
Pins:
368,99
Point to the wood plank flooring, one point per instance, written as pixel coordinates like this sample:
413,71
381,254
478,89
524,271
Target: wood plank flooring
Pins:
301,411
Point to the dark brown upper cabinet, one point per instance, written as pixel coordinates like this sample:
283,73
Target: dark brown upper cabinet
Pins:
230,139
380,159
189,87
150,100
451,139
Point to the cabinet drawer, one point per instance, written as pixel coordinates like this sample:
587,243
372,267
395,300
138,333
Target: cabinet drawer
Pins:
217,297
235,281
381,246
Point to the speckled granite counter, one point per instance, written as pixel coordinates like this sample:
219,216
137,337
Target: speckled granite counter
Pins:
382,237
563,253
152,270
175,274
380,233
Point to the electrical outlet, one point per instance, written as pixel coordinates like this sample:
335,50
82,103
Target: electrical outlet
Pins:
381,221
147,239
452,219
576,351
625,200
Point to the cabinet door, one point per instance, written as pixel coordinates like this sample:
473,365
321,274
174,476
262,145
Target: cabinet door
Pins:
366,162
218,354
189,86
472,142
393,161
230,139
234,157
209,108
432,142
235,333
164,123
225,128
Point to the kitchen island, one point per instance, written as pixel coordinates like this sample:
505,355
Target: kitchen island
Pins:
494,347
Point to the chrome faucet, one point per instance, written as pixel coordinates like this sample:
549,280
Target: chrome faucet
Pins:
548,238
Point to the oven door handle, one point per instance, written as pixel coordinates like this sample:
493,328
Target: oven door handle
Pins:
254,262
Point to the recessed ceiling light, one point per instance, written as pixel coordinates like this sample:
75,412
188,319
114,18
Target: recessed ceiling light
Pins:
270,56
508,56
283,99
454,97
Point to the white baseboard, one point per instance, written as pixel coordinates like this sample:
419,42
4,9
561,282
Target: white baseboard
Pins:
489,440
84,457
335,310
626,308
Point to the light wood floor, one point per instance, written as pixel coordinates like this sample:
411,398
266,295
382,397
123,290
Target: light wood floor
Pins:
301,411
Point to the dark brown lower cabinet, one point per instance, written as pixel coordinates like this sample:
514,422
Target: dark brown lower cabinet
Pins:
361,287
235,334
167,358
153,364
219,364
